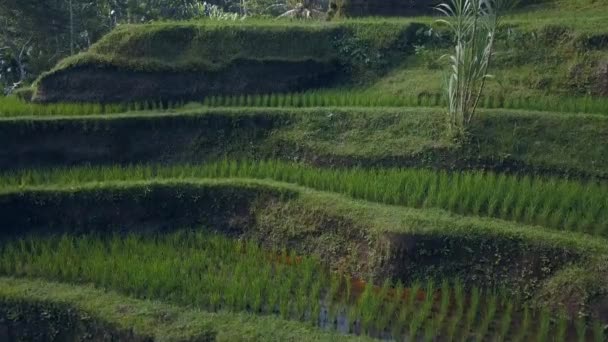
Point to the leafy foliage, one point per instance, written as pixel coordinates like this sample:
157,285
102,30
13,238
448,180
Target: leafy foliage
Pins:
474,24
551,202
216,273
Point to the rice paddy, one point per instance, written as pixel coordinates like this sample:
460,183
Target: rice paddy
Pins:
216,273
367,98
551,202
14,107
226,214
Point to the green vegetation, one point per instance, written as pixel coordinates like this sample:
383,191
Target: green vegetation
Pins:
259,179
370,98
217,273
549,202
474,24
541,61
585,16
325,98
504,141
329,98
366,239
15,107
365,48
143,318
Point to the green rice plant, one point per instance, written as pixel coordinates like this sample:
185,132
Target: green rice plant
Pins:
392,309
598,331
446,299
431,330
353,314
505,321
421,316
525,326
285,303
544,326
334,293
399,323
562,204
315,305
347,97
472,312
367,304
562,326
13,106
459,298
216,273
301,303
382,306
581,329
488,317
155,267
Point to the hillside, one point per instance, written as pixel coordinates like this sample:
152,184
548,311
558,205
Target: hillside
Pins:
262,179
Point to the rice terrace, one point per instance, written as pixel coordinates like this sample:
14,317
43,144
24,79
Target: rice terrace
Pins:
303,170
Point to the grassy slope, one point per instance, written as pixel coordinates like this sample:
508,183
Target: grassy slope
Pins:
170,268
549,202
214,45
539,140
583,15
552,49
503,140
547,43
367,240
376,218
149,318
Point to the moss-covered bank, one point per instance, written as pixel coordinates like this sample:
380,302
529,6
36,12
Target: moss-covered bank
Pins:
35,310
355,237
193,60
504,141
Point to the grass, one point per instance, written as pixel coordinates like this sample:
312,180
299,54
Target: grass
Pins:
152,319
290,214
550,202
210,271
370,98
584,15
212,46
324,98
237,290
216,273
511,141
13,107
534,70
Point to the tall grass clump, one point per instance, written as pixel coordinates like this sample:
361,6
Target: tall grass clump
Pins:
216,273
474,24
535,200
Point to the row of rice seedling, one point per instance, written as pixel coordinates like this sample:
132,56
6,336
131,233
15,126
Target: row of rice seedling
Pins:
354,98
550,202
217,273
13,106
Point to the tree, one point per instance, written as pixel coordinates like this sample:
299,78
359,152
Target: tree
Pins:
14,50
35,34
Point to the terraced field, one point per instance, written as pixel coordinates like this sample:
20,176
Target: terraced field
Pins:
338,211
